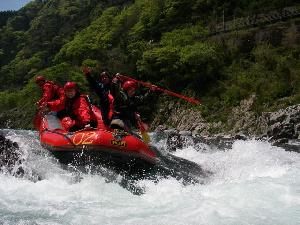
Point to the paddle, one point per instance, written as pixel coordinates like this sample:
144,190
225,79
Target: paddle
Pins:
155,88
143,128
41,111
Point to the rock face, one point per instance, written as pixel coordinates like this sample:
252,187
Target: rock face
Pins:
281,125
244,120
12,161
284,124
10,157
174,140
184,118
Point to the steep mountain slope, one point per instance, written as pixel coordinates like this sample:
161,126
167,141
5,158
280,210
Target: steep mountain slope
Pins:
165,42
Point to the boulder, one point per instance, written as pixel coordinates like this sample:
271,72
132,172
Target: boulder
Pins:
174,140
284,124
10,157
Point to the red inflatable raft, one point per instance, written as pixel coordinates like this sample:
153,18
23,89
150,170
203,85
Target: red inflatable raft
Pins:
99,145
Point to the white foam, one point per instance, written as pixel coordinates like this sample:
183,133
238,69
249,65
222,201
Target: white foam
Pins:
252,183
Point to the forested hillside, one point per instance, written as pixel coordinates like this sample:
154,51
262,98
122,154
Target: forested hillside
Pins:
166,42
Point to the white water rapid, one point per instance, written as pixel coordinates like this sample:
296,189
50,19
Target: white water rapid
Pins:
252,183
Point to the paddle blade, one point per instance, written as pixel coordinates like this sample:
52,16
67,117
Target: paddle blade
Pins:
145,136
143,128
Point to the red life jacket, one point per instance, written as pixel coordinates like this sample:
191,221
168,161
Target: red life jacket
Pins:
78,108
51,91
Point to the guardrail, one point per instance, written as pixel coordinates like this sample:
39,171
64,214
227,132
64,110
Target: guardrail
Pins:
254,20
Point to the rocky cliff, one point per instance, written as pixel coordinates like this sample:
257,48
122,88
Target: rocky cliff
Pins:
280,125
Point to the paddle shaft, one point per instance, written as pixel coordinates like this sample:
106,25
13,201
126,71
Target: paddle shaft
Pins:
141,126
149,85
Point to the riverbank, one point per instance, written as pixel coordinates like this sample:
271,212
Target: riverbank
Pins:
278,126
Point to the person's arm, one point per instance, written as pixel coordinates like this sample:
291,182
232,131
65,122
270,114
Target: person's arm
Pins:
61,94
47,94
115,90
84,111
98,87
56,105
111,106
140,99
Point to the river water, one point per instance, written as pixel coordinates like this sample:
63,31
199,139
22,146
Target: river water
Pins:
252,182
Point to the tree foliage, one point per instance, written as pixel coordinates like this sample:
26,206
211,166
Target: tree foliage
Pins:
162,41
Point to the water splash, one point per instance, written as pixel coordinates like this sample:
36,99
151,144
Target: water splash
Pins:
253,182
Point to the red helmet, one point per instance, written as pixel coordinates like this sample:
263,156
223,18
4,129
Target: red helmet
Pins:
39,79
129,84
70,85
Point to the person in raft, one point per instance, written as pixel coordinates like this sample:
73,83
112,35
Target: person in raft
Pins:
50,90
125,114
75,109
101,87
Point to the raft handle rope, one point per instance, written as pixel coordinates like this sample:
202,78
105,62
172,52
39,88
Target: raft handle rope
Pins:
55,132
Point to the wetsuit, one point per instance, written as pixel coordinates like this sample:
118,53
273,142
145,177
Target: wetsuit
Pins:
106,100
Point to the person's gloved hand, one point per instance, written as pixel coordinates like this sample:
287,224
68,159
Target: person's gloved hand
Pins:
67,123
153,88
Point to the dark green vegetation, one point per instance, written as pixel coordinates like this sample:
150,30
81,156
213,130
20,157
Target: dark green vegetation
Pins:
166,42
4,17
